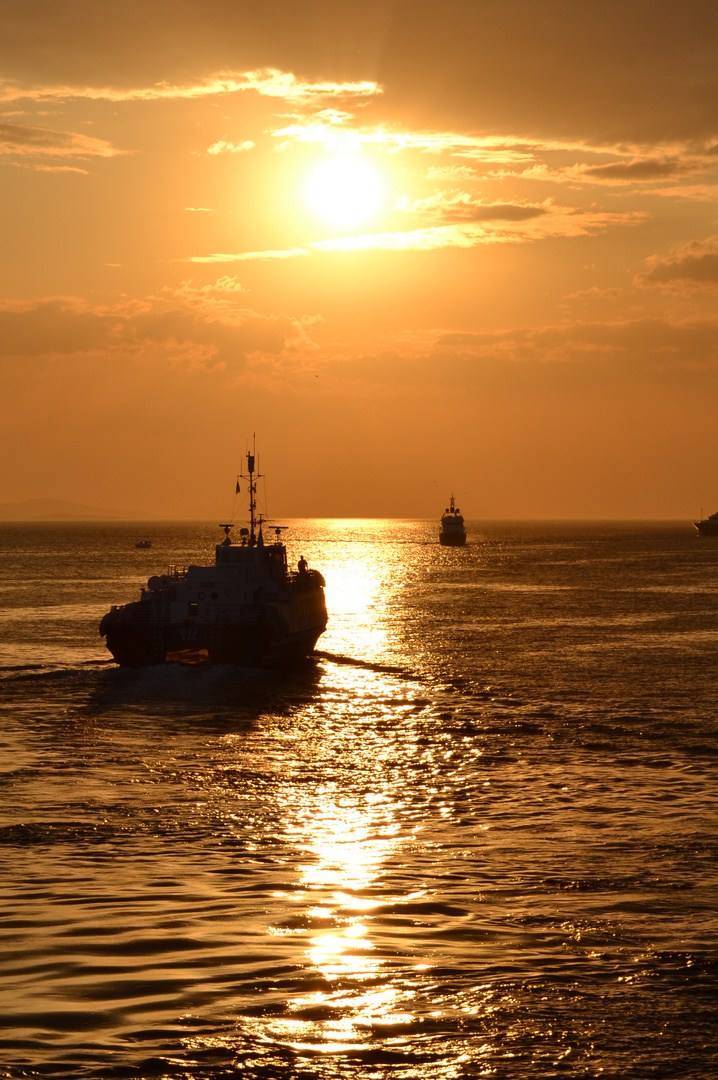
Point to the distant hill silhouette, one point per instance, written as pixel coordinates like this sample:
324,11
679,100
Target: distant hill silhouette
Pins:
60,510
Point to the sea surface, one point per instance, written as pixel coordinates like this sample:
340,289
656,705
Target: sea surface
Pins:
474,837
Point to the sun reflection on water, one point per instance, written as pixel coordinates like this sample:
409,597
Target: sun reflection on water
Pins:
344,846
343,852
361,563
353,595
347,981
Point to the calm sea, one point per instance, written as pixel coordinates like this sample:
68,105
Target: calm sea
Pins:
476,836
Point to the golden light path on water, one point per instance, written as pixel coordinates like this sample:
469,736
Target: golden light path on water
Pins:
358,830
357,575
348,828
345,843
343,855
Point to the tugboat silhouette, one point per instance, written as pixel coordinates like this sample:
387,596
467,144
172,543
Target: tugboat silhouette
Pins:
248,609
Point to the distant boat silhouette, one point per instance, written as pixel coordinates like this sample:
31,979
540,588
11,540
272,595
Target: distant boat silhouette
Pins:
143,544
452,531
708,526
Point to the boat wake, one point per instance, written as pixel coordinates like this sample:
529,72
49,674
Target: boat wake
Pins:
368,665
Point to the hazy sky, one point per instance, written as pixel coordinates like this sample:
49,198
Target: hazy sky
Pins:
416,246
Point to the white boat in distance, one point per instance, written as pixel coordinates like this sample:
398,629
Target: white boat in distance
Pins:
452,531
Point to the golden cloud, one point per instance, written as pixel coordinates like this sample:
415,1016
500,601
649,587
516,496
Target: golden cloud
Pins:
574,353
461,207
268,82
648,167
332,133
225,147
22,140
643,170
550,221
691,268
246,256
623,348
205,325
50,168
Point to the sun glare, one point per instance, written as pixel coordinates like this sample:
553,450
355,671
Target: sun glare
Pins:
344,190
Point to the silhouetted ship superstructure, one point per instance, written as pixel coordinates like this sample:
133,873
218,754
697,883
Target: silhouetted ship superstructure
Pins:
708,526
452,526
247,609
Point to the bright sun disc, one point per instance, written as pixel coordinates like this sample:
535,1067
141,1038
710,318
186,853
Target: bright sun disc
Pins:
344,190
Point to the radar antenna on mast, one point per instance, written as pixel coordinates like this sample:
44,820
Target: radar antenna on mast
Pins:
226,528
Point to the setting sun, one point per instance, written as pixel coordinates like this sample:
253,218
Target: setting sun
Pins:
344,190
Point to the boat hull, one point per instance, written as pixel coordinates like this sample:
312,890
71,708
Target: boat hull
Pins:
141,635
139,649
707,528
143,645
452,539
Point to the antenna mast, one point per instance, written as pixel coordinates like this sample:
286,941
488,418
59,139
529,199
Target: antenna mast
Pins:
252,494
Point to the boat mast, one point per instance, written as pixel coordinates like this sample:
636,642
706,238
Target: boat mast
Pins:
252,495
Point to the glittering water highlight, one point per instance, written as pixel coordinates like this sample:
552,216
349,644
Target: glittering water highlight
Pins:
474,837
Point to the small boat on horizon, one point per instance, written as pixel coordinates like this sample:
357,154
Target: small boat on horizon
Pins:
248,609
452,532
708,526
143,544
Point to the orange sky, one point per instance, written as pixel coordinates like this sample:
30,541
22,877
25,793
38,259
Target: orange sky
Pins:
416,246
